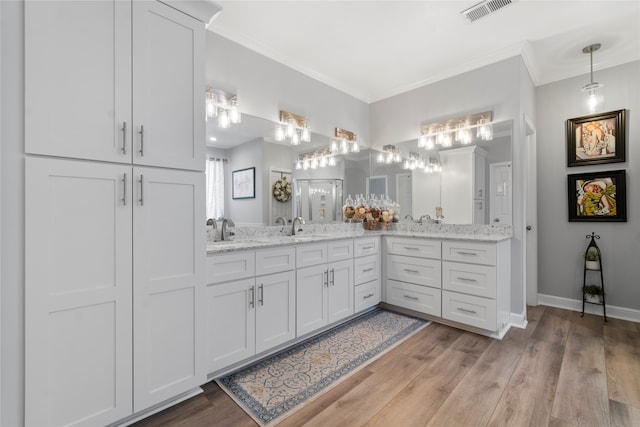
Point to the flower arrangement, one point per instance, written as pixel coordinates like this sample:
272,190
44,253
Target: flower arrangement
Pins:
282,190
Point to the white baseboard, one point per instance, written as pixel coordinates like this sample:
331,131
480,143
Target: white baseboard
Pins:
576,305
518,320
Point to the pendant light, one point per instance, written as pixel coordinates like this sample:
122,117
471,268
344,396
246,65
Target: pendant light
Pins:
593,96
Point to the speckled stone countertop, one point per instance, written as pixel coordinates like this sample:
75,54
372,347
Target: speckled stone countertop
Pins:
272,236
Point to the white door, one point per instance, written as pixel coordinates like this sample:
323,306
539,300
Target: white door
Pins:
403,193
340,290
168,87
231,323
78,319
78,79
169,284
275,310
311,299
500,210
531,222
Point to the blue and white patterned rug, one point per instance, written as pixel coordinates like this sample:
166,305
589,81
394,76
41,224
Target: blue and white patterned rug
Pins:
279,385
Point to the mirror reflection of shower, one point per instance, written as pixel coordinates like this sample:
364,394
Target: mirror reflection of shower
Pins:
319,200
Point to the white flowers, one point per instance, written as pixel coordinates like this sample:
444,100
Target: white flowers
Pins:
282,190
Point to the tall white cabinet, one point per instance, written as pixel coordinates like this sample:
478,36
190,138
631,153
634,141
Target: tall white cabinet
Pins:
463,192
115,241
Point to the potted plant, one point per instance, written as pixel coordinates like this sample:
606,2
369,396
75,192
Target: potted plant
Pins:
592,260
593,293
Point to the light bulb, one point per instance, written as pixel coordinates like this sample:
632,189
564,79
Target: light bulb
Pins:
295,138
291,129
380,158
223,119
279,133
212,110
332,161
355,147
422,141
234,114
306,135
430,144
298,165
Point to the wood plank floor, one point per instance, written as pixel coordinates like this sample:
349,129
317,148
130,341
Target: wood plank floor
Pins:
562,371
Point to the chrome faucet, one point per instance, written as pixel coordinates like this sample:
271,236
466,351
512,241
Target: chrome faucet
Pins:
226,234
295,230
407,216
212,222
424,218
281,220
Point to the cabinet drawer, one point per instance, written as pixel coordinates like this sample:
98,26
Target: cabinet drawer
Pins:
221,268
314,254
472,279
367,295
366,269
474,252
275,260
339,250
419,298
423,248
366,246
425,272
470,310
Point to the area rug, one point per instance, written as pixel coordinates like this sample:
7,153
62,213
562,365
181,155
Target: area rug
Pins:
276,387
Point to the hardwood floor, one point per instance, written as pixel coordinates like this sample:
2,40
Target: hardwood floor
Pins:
562,371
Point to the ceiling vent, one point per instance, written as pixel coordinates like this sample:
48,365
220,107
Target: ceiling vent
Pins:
484,8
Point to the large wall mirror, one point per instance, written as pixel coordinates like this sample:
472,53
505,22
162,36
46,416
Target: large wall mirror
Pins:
474,186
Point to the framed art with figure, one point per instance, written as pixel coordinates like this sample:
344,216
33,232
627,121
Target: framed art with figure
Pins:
597,138
598,196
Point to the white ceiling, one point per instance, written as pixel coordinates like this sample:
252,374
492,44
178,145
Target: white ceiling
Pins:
376,49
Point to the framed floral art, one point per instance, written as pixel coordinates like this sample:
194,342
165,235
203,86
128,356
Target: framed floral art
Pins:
596,139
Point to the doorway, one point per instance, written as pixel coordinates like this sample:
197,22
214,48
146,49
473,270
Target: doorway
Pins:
500,183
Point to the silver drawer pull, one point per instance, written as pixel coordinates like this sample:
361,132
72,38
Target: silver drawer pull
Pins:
464,310
368,269
124,137
252,296
411,271
411,248
124,192
367,296
261,293
411,297
468,253
364,248
464,279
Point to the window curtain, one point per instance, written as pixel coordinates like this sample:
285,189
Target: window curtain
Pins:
216,172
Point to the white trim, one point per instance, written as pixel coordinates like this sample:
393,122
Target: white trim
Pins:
613,311
518,320
159,407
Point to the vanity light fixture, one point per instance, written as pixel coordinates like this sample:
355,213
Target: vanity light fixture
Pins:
292,127
222,105
458,129
593,93
389,154
316,159
345,142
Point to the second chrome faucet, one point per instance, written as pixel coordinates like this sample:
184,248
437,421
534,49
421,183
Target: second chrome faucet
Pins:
295,229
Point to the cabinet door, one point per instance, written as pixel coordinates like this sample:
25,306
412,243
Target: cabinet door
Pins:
231,327
340,290
78,79
311,298
168,87
78,292
275,310
169,276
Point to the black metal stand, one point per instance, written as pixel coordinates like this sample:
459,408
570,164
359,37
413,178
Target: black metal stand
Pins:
593,246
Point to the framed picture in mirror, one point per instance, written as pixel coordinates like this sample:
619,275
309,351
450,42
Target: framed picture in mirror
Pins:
596,139
243,184
598,197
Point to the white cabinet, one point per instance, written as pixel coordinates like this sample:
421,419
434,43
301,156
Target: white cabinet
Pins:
463,187
414,274
251,313
114,80
324,290
476,284
366,271
94,255
169,276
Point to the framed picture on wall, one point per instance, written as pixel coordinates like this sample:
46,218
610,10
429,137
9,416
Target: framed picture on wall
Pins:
598,196
243,184
596,139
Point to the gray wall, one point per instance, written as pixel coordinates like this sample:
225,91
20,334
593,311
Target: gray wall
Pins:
246,212
264,87
562,243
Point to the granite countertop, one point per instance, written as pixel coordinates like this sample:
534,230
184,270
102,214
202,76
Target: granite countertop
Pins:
261,240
